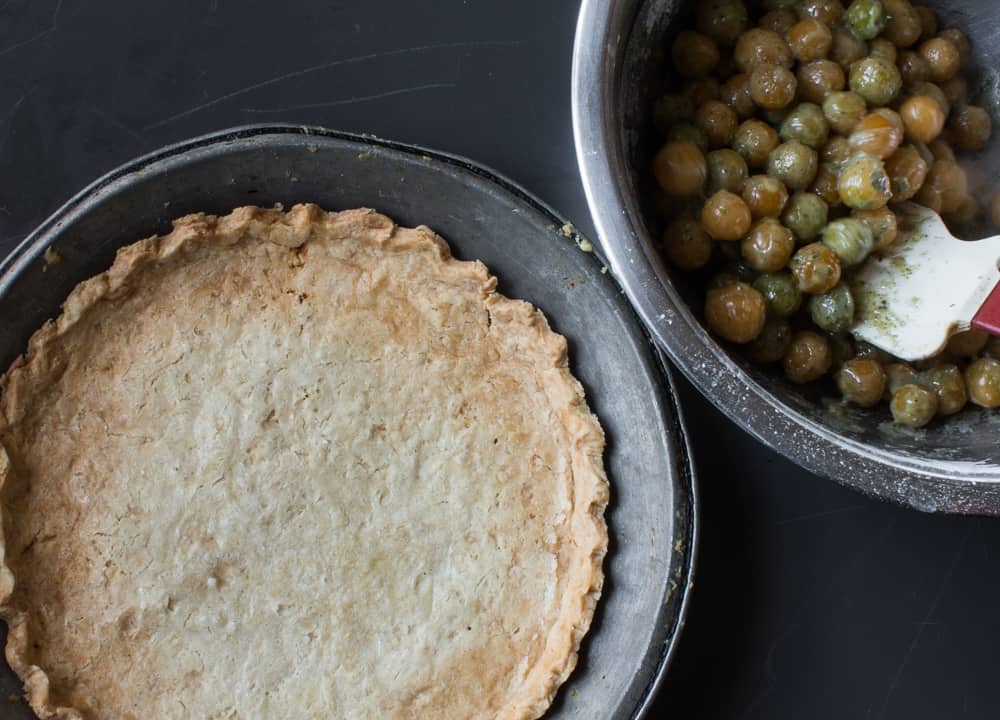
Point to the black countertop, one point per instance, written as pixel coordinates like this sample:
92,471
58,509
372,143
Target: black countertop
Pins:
811,601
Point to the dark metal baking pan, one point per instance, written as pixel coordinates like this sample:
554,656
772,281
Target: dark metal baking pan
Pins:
536,256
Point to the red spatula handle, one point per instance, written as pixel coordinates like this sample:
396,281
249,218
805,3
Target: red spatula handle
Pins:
988,316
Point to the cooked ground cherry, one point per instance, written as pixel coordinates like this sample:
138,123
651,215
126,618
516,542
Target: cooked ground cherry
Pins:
964,210
945,187
688,133
882,49
982,379
695,55
842,349
722,20
772,87
805,215
877,81
846,48
820,78
850,238
863,183
702,90
913,67
719,122
768,246
943,58
837,150
922,118
843,110
671,109
947,382
825,185
735,92
877,135
778,20
725,216
794,163
932,91
761,47
765,196
809,40
833,311
867,350
686,244
781,293
896,376
754,140
882,222
735,312
727,170
957,38
809,357
861,381
680,169
772,343
969,127
992,348
806,124
903,27
865,18
816,268
907,171
967,344
828,12
956,90
939,150
913,406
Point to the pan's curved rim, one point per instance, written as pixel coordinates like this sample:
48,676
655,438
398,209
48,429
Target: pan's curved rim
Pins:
687,507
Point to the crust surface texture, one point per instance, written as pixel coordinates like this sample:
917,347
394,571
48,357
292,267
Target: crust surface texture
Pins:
302,464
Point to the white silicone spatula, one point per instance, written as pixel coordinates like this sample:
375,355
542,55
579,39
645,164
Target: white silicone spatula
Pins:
926,287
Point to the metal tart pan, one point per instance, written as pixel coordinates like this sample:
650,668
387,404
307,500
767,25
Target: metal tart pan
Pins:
536,256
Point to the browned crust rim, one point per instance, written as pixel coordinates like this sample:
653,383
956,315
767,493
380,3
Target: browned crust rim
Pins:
296,228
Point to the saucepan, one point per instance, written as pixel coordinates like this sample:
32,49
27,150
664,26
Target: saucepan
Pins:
618,71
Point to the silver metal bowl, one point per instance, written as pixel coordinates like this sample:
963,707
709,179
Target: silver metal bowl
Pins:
618,68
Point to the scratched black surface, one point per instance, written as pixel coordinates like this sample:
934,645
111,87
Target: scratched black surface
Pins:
811,601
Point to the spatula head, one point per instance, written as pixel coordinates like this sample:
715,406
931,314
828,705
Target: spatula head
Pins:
915,295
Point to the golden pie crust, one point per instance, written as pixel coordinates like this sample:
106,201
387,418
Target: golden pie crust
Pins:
303,464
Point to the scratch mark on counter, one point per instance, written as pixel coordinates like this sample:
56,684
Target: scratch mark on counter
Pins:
14,107
935,601
53,26
351,100
33,38
9,120
821,514
112,120
326,66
